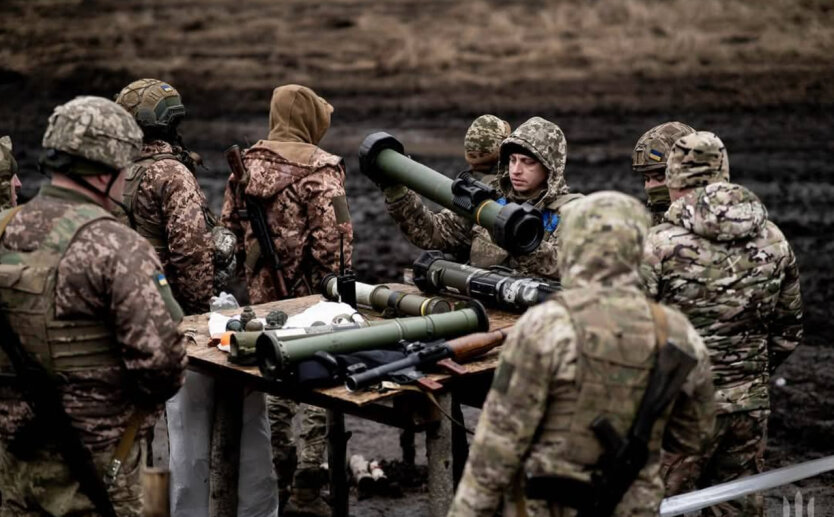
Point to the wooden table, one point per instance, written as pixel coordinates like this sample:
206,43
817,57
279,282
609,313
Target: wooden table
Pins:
405,409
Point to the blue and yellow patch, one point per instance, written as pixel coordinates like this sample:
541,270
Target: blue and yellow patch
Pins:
161,281
655,155
166,87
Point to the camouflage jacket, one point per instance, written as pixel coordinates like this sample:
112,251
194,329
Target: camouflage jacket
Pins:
455,234
586,353
298,200
168,202
110,274
733,274
8,168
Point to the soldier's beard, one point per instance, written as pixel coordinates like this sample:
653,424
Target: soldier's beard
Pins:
659,199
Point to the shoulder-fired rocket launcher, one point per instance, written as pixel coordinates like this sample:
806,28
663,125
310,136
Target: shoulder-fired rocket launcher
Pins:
277,357
433,273
382,297
516,228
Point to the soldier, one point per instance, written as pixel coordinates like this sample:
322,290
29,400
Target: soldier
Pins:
482,145
722,263
531,169
297,184
649,160
88,300
587,353
9,182
163,201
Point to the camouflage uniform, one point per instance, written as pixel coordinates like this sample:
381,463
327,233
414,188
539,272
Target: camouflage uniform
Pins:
8,169
455,234
482,144
164,201
586,353
650,155
90,292
731,271
296,182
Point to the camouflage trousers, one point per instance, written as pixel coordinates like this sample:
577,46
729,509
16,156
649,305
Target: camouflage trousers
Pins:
44,485
284,449
736,450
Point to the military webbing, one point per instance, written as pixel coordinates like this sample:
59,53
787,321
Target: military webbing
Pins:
125,444
8,218
661,325
136,172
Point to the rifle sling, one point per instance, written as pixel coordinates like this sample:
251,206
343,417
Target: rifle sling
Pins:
8,218
75,453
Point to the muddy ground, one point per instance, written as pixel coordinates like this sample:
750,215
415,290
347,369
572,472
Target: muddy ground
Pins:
759,75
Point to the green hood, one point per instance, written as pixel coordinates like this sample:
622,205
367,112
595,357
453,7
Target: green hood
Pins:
601,241
546,142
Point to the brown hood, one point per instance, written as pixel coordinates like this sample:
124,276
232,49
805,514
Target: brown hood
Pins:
298,120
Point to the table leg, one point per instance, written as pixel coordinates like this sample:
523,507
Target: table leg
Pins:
225,449
336,459
439,453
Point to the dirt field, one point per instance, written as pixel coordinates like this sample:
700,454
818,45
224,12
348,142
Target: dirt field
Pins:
759,74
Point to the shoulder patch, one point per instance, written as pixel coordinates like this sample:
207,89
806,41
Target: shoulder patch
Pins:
171,304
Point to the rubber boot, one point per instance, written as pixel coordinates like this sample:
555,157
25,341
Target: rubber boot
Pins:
306,499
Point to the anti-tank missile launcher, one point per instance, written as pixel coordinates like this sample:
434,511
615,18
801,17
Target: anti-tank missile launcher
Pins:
433,273
381,298
277,357
516,228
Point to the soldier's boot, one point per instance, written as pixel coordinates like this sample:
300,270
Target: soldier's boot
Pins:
306,499
285,460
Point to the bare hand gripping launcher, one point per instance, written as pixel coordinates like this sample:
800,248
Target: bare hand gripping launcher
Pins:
516,228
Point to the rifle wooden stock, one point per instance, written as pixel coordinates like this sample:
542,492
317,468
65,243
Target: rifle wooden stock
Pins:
473,345
257,220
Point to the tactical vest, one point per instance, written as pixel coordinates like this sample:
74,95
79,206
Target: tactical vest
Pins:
27,292
152,231
616,350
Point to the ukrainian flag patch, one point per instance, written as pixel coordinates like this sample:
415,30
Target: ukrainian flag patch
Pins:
161,281
166,87
655,155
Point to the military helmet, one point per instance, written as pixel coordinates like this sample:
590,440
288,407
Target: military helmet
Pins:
483,140
652,149
154,104
95,130
697,160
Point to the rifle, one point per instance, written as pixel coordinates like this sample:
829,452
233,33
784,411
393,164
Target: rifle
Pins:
42,395
623,457
441,352
257,218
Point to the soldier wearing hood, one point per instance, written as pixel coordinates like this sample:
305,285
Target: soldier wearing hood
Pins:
720,261
297,183
531,169
584,354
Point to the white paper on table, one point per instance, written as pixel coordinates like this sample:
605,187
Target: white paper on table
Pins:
321,312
